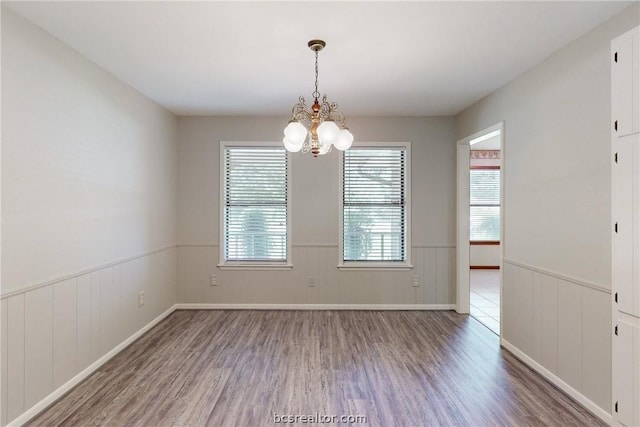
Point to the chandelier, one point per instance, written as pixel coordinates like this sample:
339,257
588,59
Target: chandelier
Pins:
319,128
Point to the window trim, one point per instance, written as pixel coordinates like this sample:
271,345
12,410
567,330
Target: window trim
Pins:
254,265
377,265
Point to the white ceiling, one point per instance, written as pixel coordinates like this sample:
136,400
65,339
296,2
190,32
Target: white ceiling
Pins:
492,143
382,58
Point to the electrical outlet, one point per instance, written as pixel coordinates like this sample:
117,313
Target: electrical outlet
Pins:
311,281
140,298
213,280
416,282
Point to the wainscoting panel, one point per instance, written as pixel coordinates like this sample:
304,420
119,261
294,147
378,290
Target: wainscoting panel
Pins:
549,324
52,332
65,351
562,325
4,355
95,316
16,357
110,316
429,273
83,324
433,266
130,286
518,308
596,336
38,345
445,275
536,316
570,333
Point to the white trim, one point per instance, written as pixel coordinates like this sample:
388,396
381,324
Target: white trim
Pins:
253,144
385,307
433,246
463,304
314,245
560,276
462,217
572,392
28,288
197,245
379,145
377,266
317,245
27,415
239,266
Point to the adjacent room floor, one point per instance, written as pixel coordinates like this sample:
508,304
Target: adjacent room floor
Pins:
252,368
485,297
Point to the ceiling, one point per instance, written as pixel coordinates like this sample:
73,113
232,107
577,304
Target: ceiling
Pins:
491,143
382,58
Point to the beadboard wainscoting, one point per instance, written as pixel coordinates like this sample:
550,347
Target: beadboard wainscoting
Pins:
560,327
433,287
57,333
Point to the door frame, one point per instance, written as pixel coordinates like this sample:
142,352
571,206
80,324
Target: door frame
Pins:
462,217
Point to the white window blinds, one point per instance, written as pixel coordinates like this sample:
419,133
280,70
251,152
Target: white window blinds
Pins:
255,204
484,185
374,204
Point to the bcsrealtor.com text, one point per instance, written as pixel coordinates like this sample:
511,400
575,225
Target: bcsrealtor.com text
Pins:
318,418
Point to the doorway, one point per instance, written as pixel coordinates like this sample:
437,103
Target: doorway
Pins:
480,225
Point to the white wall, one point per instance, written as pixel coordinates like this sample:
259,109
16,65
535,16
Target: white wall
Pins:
315,197
484,255
557,208
89,181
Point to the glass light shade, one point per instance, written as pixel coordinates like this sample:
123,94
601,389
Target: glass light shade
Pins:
344,140
295,132
324,147
292,146
328,131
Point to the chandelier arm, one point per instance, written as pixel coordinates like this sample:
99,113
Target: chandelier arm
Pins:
338,117
299,112
303,117
325,109
306,146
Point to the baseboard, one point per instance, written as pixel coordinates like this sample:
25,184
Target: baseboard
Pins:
575,394
85,373
315,306
484,267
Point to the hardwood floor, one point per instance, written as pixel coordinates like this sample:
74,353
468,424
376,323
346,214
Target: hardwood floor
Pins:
241,368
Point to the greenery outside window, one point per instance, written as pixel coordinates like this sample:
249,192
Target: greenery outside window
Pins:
254,205
375,209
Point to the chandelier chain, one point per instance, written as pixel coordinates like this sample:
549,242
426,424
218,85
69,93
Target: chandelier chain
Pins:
316,94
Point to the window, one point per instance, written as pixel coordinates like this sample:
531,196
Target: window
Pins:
484,185
255,208
376,206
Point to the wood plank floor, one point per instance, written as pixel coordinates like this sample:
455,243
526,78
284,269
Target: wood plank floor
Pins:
239,368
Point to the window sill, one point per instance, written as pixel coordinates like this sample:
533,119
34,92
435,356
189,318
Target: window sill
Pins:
234,266
375,266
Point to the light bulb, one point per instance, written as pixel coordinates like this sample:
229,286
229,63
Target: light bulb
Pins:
344,140
291,146
295,132
328,131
